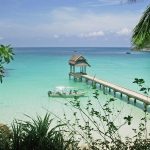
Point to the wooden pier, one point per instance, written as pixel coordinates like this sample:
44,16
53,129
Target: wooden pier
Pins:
80,61
110,86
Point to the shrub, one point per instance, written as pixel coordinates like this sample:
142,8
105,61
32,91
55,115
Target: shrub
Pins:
99,128
5,135
38,134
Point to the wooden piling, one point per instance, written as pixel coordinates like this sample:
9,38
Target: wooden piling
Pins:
128,98
121,95
135,101
114,93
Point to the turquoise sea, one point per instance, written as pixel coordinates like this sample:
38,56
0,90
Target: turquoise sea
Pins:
34,71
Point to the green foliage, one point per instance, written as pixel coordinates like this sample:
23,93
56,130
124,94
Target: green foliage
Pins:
5,135
141,84
6,55
101,122
17,135
141,33
128,119
37,134
99,128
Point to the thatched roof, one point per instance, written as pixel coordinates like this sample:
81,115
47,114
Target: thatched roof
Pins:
78,60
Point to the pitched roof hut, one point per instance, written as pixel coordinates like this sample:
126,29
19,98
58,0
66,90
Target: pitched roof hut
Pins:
78,61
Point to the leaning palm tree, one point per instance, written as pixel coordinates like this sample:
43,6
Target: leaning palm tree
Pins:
141,33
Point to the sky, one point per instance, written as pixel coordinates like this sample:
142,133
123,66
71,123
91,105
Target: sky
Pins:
69,23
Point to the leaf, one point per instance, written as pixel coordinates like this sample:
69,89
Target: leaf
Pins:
6,55
143,89
128,119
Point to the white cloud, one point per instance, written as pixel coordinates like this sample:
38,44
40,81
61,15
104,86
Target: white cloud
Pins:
74,21
124,31
69,21
92,34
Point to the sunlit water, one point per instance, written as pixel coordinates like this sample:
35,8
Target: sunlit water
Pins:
34,71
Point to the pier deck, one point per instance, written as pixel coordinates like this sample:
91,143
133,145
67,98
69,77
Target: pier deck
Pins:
131,94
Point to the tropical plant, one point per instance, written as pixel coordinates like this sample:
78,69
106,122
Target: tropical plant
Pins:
141,33
99,127
5,135
6,55
35,134
38,134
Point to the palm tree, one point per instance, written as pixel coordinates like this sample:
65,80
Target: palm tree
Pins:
141,33
6,55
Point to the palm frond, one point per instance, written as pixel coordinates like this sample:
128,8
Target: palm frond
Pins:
141,33
17,135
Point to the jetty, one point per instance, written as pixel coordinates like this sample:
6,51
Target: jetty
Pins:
80,62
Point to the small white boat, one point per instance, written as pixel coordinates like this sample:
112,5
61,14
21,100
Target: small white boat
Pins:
65,92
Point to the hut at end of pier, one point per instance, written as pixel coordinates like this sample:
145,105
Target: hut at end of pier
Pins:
80,62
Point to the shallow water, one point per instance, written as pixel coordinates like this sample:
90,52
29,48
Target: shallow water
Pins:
36,70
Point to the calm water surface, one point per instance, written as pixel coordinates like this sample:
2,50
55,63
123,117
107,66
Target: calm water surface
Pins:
36,70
